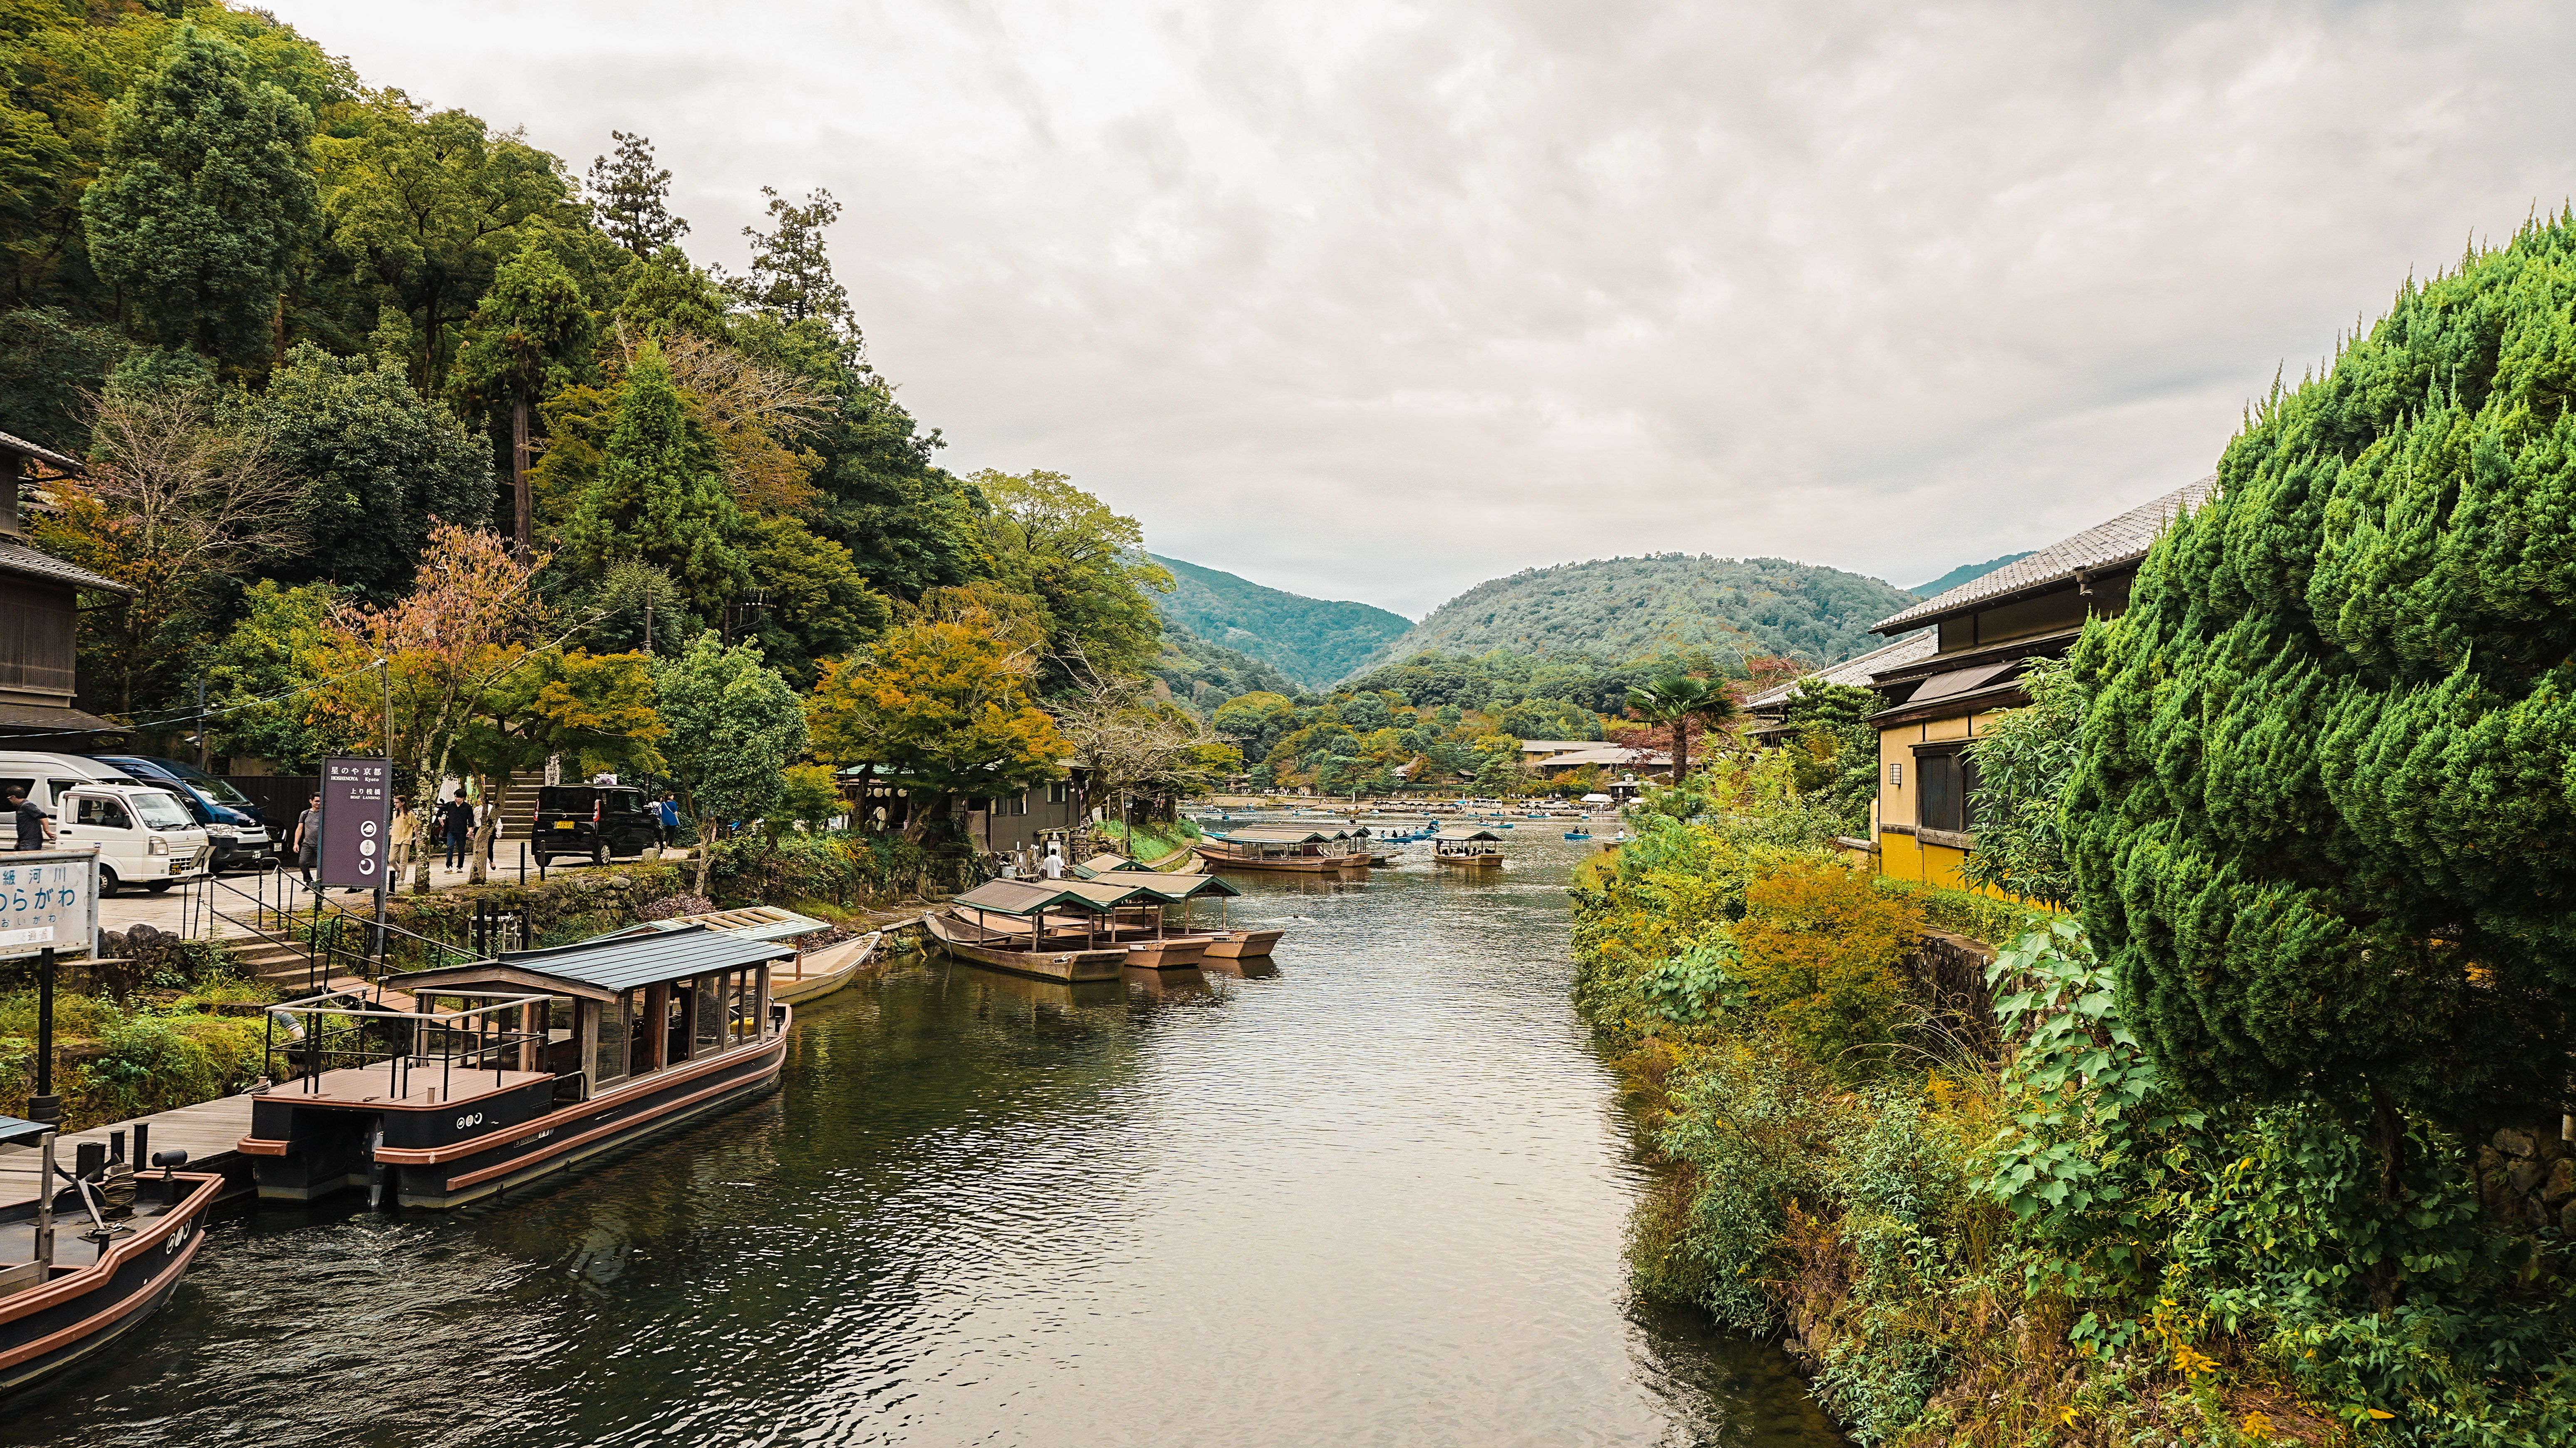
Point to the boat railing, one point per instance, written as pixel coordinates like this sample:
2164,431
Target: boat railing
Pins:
323,1038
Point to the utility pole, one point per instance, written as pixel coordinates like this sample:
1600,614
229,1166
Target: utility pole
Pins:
519,501
201,721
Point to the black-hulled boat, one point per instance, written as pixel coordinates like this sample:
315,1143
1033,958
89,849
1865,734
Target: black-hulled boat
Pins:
88,1254
507,1069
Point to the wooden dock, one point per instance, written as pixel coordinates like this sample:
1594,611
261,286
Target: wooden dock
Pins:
210,1132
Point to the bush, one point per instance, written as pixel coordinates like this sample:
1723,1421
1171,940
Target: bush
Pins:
1819,949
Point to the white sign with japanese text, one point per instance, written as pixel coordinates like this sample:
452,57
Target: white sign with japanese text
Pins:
48,898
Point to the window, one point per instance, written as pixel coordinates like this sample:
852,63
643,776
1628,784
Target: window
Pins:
1060,792
616,1035
104,813
1896,773
1020,805
161,812
1949,789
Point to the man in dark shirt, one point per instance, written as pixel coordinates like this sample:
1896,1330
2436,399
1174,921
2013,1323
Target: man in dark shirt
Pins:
35,827
308,838
455,822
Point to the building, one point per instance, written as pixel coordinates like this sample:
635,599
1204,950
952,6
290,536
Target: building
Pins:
1612,759
39,620
1959,658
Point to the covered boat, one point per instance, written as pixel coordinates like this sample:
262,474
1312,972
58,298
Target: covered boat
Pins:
1467,848
1054,929
88,1254
510,1068
1291,848
1167,890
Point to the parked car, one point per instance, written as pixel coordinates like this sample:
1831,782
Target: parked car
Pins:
48,775
241,837
593,822
143,835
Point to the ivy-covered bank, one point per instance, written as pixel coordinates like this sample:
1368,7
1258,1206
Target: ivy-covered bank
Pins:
1993,1221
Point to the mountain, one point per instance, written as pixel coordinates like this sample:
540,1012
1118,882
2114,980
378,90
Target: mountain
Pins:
1624,608
1966,571
1204,675
1309,639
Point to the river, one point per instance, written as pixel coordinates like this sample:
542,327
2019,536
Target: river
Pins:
1375,1198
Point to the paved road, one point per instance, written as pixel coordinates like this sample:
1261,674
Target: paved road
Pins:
165,912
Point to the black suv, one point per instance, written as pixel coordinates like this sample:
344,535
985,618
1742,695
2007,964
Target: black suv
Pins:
592,822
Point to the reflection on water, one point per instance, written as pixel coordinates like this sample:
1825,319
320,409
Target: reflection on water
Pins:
1369,1192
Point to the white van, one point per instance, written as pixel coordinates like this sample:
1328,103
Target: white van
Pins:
142,835
45,776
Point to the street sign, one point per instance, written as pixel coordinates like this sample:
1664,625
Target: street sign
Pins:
48,900
357,821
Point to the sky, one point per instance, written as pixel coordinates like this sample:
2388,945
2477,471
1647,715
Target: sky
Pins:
1378,300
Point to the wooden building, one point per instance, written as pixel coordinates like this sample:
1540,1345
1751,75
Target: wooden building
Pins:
39,618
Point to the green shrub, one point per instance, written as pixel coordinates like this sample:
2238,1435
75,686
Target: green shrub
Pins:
1819,950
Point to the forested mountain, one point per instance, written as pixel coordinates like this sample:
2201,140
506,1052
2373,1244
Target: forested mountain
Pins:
1623,608
1967,572
1311,640
1204,675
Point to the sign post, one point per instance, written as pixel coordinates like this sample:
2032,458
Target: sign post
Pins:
357,805
48,905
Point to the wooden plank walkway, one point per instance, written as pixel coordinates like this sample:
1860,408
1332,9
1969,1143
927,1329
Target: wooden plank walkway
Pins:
210,1132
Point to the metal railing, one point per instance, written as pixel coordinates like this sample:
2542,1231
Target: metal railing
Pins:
326,1038
335,940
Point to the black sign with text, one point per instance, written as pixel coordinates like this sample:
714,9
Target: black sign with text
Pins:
357,805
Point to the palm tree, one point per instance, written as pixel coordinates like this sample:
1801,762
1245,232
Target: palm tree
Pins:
1677,699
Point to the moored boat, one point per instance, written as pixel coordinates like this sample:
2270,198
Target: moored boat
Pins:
545,1059
1307,851
1017,925
1471,849
92,1252
1244,944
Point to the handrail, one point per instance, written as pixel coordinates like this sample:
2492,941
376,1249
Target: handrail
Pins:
420,1038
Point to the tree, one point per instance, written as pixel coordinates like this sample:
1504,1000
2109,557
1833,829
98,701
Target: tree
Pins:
733,725
1083,566
2321,826
2025,760
283,642
379,467
657,498
50,368
942,701
630,197
791,273
1138,747
204,198
1837,747
533,322
595,710
1675,702
176,499
429,205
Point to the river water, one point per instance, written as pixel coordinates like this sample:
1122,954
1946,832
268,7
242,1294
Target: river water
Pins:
1375,1198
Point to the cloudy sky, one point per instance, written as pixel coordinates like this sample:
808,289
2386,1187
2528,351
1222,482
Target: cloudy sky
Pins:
1376,300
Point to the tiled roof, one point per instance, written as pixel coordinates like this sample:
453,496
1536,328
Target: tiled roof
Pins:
44,455
2125,539
1854,671
28,562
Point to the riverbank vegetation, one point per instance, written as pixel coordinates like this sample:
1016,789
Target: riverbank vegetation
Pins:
2262,1138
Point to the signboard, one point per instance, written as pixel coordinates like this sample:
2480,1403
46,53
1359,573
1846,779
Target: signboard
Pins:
48,898
357,822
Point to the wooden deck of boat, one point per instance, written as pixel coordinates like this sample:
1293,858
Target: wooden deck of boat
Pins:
210,1132
422,1086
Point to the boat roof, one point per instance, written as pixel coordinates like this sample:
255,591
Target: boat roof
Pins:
17,1132
1169,886
598,969
1102,864
752,922
1025,897
1281,835
1454,833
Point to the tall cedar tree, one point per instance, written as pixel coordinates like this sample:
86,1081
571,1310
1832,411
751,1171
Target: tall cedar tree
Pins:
534,320
630,197
657,497
2323,824
790,272
205,197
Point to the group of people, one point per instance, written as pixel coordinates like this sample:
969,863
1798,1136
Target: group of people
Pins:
451,826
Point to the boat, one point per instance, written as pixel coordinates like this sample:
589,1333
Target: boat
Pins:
546,1059
1468,848
1290,849
1578,834
1245,944
1159,892
812,975
1020,925
84,1262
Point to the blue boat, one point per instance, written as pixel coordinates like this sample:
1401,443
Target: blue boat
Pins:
1578,834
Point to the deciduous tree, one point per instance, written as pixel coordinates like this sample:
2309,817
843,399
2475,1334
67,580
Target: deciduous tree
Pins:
378,466
733,724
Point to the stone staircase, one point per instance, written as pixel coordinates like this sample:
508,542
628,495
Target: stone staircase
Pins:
519,804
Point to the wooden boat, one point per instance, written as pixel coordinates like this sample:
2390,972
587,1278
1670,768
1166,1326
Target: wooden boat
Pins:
1173,953
1244,944
93,1252
547,1058
1468,849
1223,943
1298,850
1031,926
814,974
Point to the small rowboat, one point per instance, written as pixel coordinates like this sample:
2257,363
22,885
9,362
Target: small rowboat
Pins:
1244,944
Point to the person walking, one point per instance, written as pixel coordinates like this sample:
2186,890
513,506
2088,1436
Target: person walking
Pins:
399,847
308,838
667,811
455,822
35,827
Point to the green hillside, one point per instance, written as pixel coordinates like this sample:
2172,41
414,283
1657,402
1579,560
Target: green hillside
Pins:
1204,675
1631,607
1309,639
1967,571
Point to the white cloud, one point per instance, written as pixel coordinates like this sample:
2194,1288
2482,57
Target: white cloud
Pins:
1377,300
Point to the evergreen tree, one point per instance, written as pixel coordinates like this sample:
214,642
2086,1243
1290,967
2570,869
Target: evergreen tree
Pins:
205,197
532,321
2323,823
631,198
380,465
657,497
791,273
